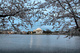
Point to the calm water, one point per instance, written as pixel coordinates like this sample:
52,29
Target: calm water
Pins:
39,44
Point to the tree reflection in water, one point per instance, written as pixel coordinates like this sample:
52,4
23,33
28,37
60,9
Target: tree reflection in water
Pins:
67,36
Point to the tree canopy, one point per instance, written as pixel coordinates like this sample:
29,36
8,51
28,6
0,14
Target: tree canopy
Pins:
61,11
52,12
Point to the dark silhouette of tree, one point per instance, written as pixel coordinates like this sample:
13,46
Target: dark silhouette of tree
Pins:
71,10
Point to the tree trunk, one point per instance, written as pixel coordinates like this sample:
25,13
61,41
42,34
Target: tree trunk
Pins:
77,26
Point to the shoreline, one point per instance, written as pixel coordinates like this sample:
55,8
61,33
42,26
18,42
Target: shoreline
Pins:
44,33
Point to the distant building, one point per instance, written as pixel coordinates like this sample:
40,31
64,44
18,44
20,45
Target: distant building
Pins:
34,31
39,31
12,32
23,32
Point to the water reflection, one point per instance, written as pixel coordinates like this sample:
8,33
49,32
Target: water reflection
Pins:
31,42
39,43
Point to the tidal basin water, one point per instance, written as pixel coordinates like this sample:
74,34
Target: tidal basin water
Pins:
39,44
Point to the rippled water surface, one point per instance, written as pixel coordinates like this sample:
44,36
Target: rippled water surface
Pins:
39,44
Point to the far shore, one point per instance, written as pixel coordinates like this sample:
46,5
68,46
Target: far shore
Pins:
34,33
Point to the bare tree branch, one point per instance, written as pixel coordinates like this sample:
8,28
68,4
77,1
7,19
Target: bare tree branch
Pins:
16,29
